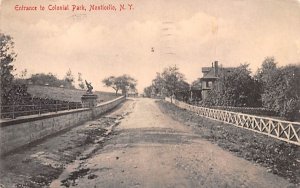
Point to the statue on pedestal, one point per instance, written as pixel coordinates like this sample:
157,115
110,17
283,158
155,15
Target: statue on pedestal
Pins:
89,87
89,100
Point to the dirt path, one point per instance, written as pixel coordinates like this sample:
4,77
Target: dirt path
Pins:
149,149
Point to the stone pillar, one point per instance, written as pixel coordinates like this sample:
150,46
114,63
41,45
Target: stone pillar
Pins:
89,100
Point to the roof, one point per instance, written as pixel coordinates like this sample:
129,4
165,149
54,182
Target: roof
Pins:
209,72
206,69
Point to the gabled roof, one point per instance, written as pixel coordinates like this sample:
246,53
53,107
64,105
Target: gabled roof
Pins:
208,72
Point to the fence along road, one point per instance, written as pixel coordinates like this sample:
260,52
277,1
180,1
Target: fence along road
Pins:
282,130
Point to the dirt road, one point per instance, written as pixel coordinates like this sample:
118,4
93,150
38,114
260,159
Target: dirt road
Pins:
149,149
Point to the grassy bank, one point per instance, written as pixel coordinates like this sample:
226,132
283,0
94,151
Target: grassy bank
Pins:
278,157
72,95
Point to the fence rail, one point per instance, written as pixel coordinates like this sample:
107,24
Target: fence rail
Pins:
282,130
13,111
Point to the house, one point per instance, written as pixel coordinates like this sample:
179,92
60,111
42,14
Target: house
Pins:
211,77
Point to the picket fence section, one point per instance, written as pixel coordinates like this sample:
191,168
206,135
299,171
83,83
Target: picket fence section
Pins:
282,130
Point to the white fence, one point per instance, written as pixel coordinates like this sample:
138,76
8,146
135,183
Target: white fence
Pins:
282,130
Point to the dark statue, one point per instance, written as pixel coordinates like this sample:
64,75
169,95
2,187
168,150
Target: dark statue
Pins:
89,87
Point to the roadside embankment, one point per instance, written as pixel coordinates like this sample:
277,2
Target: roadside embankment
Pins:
279,157
27,129
42,162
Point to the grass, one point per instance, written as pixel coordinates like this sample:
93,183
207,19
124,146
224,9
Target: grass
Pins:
277,156
72,95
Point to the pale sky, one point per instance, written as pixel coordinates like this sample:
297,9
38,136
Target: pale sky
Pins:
190,34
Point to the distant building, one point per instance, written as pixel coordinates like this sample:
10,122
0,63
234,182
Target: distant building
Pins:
211,77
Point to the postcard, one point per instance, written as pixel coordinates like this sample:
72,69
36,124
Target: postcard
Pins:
140,93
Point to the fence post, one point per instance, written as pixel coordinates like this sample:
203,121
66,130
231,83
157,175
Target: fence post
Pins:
13,112
39,107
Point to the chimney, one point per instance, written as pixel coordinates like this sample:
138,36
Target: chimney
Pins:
216,69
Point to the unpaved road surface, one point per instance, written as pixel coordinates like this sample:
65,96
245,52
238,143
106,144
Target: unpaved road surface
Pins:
150,149
135,145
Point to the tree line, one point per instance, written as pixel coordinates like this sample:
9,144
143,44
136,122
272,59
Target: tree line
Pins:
48,79
271,87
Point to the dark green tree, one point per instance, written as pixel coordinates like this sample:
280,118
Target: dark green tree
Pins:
7,57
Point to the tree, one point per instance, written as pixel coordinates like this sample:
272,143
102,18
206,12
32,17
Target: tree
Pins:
123,83
23,74
169,82
148,91
21,78
172,80
69,79
111,82
18,95
126,83
183,91
12,93
51,80
158,86
80,80
288,92
7,57
196,91
280,87
46,79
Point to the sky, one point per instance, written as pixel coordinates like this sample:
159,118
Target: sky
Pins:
190,34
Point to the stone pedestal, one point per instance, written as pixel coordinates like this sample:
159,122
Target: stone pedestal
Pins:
89,100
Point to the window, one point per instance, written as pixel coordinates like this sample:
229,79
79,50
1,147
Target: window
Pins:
209,84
